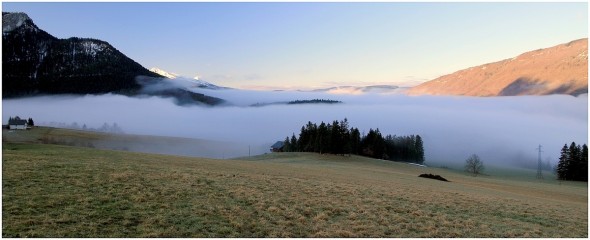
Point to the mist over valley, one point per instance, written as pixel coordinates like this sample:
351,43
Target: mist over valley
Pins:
503,130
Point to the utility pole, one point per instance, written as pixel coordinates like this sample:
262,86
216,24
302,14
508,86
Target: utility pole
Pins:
248,150
540,167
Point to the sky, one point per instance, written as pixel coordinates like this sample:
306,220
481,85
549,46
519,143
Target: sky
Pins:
313,45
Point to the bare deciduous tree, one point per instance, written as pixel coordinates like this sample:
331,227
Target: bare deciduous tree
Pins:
474,165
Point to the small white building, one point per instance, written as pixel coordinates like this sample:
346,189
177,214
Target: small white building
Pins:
17,123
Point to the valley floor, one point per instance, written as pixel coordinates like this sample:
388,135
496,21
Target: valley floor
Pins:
65,191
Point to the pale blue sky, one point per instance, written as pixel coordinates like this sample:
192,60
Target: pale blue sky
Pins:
308,45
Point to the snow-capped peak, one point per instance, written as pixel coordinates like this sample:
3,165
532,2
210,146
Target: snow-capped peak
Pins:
164,73
196,82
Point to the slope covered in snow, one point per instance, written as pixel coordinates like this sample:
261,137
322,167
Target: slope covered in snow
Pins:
163,73
195,82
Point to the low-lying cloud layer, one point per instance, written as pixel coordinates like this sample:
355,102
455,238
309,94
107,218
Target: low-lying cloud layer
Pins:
502,130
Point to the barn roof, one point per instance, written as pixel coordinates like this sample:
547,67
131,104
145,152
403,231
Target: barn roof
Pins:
278,144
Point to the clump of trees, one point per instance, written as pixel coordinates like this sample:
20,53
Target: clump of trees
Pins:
474,165
338,138
573,163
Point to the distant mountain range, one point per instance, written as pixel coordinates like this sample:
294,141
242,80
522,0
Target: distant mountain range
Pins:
360,89
562,69
37,63
196,82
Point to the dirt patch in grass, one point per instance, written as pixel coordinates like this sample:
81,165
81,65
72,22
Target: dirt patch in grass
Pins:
432,176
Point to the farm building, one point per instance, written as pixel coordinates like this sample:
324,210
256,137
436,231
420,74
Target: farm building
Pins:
277,147
17,123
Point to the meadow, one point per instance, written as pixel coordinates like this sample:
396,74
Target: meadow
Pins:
126,142
51,190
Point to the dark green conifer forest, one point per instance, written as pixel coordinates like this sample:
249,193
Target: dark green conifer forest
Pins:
339,138
573,163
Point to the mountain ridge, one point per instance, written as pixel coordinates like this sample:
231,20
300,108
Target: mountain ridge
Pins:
36,63
561,69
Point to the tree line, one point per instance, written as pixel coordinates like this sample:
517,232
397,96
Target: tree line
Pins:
573,163
107,128
338,138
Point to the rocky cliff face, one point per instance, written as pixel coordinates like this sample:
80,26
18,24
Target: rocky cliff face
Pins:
34,62
562,69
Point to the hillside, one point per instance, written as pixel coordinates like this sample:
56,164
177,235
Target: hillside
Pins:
33,61
64,191
127,142
562,69
37,63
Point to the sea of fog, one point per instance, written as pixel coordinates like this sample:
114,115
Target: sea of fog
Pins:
501,130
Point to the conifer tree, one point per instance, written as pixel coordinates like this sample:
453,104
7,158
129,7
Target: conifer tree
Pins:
574,161
419,146
312,134
355,140
584,164
294,143
345,137
302,139
287,145
323,139
563,165
335,138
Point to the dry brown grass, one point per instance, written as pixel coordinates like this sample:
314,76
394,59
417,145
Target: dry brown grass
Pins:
59,191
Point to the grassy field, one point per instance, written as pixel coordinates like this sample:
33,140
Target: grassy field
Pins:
68,191
127,142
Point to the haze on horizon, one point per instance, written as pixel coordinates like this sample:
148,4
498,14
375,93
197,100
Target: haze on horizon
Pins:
503,131
313,45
